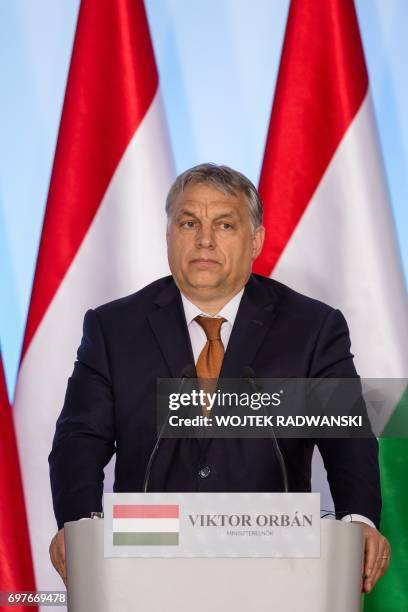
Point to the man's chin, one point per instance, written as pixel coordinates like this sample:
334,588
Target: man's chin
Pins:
205,280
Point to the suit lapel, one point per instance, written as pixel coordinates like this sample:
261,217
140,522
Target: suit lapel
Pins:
254,318
169,326
255,315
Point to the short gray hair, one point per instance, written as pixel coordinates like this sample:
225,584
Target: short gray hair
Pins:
224,179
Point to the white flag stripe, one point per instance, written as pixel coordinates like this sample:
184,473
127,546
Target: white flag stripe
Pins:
118,256
146,525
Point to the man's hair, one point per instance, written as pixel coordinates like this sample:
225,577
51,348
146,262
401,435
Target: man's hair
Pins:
224,179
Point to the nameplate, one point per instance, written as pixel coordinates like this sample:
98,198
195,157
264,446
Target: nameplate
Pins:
279,525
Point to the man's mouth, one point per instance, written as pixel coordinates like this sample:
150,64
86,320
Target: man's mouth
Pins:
204,263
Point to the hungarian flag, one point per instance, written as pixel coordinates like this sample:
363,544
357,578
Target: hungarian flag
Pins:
103,234
145,525
16,568
330,231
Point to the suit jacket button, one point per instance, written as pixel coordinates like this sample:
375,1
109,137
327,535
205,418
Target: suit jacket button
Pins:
204,472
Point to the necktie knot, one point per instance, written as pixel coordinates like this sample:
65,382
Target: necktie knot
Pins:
211,326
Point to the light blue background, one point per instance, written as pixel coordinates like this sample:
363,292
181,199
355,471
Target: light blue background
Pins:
217,61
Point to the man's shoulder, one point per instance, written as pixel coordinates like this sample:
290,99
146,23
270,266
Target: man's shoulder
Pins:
140,301
289,300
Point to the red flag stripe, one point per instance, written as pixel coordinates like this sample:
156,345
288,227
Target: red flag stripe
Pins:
321,84
146,511
16,568
111,40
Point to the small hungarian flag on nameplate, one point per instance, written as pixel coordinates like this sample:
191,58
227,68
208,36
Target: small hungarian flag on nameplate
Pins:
145,525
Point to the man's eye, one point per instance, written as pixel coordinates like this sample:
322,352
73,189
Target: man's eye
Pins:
187,224
226,226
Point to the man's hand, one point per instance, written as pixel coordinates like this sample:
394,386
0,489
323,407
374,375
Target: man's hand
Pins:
57,554
377,555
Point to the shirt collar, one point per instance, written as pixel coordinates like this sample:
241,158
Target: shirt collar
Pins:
229,311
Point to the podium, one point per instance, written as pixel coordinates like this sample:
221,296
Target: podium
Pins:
329,583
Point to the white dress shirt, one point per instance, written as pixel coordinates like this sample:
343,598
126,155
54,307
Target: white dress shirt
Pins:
198,340
197,334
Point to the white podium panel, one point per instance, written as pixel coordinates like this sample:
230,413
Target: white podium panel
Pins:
331,583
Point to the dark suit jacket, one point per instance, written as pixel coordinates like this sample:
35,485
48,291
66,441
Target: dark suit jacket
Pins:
110,403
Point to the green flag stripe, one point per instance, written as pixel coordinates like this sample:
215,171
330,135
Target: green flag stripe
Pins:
145,539
391,593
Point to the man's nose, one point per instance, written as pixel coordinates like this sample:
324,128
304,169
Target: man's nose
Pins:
205,236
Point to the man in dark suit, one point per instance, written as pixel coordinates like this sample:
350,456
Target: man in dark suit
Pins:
212,313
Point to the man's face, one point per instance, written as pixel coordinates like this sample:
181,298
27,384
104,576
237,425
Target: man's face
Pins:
211,243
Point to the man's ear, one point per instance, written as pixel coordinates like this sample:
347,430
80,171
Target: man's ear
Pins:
257,241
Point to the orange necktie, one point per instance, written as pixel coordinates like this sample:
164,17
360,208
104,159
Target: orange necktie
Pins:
210,359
